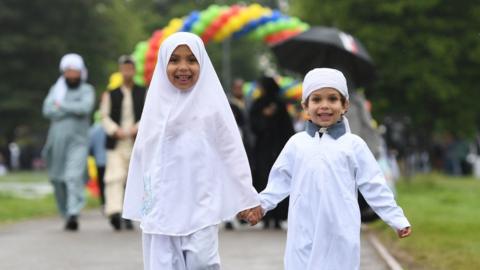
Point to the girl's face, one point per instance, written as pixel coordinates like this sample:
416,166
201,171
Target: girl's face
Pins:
325,106
183,68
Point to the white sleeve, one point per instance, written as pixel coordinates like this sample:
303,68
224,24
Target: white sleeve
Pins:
372,185
108,124
279,180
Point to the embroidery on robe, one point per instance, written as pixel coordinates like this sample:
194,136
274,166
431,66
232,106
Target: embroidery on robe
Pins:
147,196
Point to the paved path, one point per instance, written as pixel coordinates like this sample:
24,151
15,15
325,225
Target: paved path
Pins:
43,245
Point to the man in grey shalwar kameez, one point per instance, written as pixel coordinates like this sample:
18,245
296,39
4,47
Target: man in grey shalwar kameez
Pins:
68,106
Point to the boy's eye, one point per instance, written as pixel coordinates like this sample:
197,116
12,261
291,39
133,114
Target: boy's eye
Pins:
316,99
333,98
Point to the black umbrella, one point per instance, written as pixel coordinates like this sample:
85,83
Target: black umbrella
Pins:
326,47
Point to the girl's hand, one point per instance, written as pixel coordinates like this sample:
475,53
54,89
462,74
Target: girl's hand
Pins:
404,232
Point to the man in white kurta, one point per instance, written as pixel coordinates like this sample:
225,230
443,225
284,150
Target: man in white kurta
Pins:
68,106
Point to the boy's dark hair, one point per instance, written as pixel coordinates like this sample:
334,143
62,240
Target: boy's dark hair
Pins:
126,59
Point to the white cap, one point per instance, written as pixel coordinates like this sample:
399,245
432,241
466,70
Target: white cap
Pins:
324,77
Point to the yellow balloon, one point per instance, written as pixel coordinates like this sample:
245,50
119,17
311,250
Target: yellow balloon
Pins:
255,6
244,17
92,168
115,81
176,24
235,23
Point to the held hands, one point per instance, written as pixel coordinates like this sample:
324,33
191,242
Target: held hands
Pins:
123,133
405,232
252,215
120,134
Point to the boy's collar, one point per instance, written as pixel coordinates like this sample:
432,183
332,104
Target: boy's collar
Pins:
335,131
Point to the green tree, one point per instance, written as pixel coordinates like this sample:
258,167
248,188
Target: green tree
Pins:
427,55
34,35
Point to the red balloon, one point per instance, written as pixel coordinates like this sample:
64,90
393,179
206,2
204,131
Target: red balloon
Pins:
224,18
216,25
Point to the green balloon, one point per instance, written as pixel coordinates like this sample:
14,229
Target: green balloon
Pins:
209,16
296,21
269,28
215,9
198,28
139,79
304,26
261,32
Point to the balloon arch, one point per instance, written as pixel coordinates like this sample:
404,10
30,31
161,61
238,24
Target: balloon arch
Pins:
217,23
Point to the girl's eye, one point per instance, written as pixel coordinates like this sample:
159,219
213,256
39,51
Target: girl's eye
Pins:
192,59
173,60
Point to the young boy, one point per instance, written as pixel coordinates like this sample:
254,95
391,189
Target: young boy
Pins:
322,169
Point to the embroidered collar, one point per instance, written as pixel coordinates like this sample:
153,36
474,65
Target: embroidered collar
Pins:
335,131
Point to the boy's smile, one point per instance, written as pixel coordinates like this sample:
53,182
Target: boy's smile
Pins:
183,68
325,106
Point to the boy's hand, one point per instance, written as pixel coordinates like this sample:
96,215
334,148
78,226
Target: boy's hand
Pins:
255,215
404,232
252,215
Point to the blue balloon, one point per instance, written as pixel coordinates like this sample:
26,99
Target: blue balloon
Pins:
190,20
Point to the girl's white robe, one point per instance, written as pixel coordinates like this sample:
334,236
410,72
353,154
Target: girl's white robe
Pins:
189,169
322,176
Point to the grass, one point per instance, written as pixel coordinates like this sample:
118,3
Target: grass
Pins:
16,209
445,217
25,177
13,208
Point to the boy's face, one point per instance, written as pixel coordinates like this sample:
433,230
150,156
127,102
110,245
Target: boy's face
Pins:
183,68
325,107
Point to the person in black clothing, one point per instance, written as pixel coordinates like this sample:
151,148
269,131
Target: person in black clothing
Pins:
121,110
272,127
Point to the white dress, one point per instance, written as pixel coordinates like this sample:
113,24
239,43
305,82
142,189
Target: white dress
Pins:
189,170
322,176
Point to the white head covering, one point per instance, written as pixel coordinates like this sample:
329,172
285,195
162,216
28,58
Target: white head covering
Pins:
69,61
189,169
325,77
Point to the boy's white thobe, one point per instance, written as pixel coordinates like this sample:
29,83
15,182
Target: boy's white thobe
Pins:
322,175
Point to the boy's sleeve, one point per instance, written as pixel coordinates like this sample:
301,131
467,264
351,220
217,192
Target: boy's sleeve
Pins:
372,185
279,181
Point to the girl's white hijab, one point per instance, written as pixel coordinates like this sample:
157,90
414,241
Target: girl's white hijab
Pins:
167,110
319,78
69,61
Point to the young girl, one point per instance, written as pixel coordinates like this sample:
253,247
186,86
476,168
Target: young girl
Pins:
189,170
322,169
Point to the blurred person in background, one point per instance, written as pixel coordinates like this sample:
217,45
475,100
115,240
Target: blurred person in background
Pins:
272,126
98,151
121,110
239,109
68,106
